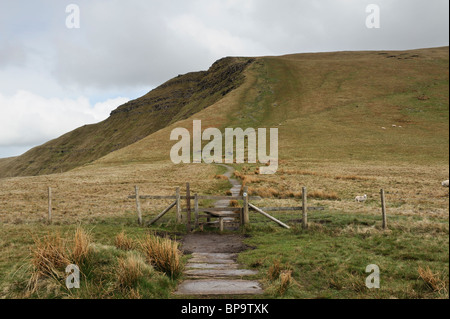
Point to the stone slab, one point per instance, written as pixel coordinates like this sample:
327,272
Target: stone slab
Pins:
212,258
211,266
219,287
220,272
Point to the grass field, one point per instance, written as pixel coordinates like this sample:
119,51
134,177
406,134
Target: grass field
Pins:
336,114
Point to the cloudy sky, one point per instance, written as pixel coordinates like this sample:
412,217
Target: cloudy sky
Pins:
54,78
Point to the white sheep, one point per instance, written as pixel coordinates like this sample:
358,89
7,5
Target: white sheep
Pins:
445,183
361,199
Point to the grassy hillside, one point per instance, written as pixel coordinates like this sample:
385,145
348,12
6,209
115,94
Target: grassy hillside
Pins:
335,113
337,107
176,99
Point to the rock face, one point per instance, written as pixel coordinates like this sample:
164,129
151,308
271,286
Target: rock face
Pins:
175,100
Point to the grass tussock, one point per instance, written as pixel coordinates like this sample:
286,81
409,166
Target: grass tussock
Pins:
123,242
81,247
130,271
280,277
247,179
221,177
106,271
324,195
285,282
433,281
51,255
48,256
265,192
291,194
274,271
163,254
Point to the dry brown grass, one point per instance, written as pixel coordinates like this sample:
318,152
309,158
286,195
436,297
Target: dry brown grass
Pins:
433,281
247,179
325,195
130,270
81,247
291,194
163,254
352,178
285,281
123,242
221,177
274,270
49,256
280,277
265,192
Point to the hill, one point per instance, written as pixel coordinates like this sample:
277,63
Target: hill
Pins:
391,107
176,99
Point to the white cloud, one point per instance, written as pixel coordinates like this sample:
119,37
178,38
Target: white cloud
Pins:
27,119
218,41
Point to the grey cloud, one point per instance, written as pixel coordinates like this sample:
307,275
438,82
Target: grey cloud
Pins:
139,43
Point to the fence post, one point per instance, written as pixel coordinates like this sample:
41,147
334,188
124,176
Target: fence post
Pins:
305,207
383,209
245,212
138,205
188,206
179,216
196,211
49,205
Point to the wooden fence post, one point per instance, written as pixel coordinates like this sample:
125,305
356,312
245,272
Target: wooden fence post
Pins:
196,211
49,205
188,206
138,205
383,209
305,207
245,212
179,216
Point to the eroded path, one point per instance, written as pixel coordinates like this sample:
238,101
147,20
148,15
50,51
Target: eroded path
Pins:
213,269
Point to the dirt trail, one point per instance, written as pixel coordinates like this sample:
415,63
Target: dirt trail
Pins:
213,269
235,189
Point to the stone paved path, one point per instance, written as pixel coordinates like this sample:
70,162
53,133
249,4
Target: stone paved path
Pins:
213,269
217,274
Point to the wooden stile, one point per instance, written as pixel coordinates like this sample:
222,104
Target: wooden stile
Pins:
246,219
162,213
268,216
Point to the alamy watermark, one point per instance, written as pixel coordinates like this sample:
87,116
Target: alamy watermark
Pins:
373,20
73,19
213,151
73,279
373,281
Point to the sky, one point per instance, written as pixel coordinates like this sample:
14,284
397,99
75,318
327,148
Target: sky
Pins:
62,68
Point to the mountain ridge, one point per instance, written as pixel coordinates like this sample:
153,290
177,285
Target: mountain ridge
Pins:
326,105
174,100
